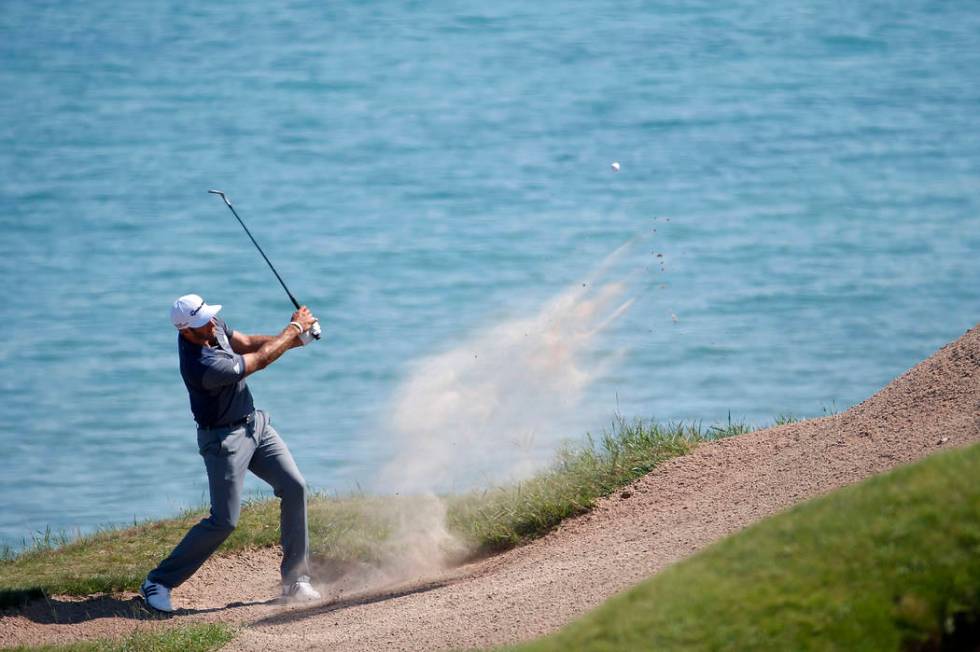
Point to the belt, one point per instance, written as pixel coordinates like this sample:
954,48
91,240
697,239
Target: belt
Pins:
248,418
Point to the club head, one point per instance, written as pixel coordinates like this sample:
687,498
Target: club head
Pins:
221,194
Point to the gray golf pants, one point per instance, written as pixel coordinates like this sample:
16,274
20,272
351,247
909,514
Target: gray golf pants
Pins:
228,454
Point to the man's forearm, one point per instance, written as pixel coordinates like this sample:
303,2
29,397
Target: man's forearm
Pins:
256,342
270,348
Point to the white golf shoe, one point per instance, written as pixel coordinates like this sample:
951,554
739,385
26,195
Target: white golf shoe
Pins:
301,591
157,596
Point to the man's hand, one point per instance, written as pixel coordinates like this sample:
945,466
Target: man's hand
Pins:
311,328
304,318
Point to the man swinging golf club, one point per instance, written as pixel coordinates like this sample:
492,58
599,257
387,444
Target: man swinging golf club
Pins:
234,437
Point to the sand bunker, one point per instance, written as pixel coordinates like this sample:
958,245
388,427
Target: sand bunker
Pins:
676,510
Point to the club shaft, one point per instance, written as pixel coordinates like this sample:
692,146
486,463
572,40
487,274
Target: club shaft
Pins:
266,258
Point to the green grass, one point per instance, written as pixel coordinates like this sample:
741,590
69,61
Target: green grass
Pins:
188,638
890,564
355,528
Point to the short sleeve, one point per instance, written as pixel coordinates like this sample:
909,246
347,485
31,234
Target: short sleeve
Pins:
222,369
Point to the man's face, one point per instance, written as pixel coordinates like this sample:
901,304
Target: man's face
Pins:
203,333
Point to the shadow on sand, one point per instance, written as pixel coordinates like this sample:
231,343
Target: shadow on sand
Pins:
301,613
61,611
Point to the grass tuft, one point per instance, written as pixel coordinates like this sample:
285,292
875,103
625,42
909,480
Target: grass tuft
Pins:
504,517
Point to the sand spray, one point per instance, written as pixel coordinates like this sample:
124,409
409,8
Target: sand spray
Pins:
488,411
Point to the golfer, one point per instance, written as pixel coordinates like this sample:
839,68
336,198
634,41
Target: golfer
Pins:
234,437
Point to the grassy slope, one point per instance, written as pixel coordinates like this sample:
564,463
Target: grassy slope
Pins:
891,563
355,528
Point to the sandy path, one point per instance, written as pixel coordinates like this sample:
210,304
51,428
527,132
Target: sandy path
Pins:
665,516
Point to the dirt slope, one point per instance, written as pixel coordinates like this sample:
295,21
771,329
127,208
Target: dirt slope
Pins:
665,516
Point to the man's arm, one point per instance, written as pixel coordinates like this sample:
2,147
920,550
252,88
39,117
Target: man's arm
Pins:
268,348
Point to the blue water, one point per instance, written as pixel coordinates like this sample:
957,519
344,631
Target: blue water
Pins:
419,171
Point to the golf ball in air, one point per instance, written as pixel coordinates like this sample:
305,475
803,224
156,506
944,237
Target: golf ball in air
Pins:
615,166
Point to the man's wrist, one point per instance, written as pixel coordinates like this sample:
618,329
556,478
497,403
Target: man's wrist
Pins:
299,327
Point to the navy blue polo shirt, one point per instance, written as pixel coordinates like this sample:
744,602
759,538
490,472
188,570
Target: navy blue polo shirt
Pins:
215,379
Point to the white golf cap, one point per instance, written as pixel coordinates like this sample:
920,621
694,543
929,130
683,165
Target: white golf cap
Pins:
190,311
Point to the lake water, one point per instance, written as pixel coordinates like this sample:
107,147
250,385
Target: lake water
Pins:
429,177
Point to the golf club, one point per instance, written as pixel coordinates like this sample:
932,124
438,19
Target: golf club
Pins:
315,329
